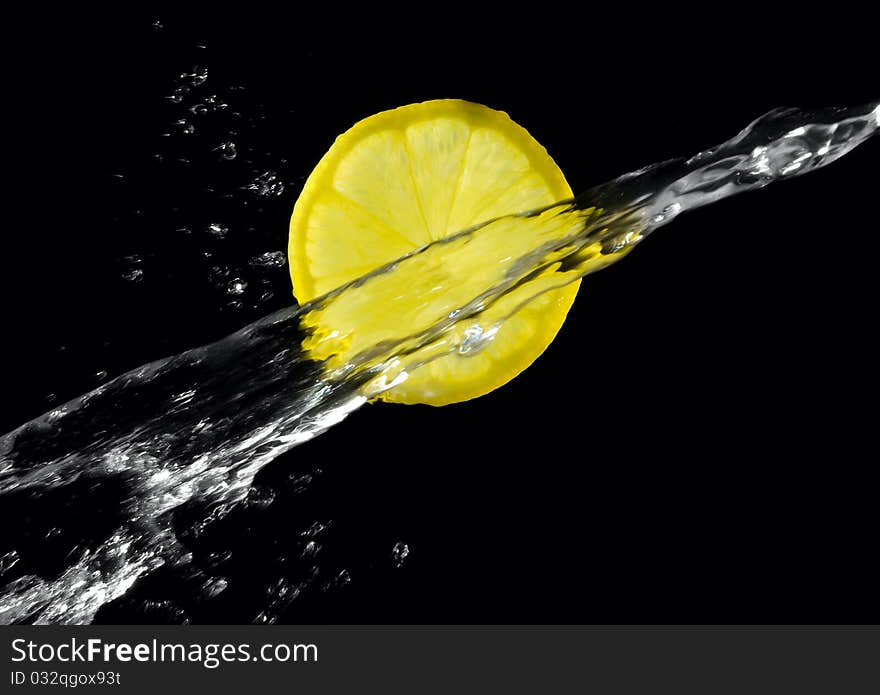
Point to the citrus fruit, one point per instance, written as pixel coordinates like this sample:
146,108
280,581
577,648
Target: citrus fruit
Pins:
401,179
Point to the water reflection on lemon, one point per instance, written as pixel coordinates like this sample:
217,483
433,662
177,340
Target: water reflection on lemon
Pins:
399,180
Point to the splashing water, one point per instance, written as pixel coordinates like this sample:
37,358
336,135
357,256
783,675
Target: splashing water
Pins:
190,432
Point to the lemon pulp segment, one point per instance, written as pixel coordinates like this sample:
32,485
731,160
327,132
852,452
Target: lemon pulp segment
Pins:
403,178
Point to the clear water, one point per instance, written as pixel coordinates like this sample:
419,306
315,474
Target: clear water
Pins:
183,437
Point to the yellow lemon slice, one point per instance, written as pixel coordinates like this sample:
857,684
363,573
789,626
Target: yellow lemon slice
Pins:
403,178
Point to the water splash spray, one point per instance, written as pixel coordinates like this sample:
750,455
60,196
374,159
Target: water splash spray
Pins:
198,426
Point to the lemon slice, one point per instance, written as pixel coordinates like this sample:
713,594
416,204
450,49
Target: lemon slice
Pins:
403,178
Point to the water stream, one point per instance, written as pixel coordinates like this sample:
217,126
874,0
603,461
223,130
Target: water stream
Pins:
192,430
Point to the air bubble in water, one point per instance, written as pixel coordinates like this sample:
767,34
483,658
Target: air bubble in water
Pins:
101,375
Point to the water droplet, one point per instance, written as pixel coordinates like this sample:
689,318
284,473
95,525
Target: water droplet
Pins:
214,103
211,103
314,529
220,557
178,94
218,230
227,150
164,612
343,578
300,483
199,75
132,270
270,259
236,286
101,375
8,561
266,185
186,127
219,273
195,77
311,549
260,497
157,25
212,587
399,552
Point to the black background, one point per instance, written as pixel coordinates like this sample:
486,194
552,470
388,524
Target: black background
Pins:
696,445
